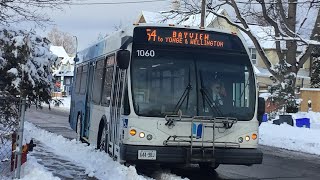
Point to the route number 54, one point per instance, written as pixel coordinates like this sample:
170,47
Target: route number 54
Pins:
152,34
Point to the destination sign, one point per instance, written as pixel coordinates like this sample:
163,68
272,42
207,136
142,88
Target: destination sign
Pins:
185,37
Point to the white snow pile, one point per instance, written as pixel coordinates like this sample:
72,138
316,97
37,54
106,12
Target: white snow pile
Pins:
95,163
313,116
65,103
35,171
289,137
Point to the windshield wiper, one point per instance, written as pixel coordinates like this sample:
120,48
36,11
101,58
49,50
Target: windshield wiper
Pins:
206,98
184,96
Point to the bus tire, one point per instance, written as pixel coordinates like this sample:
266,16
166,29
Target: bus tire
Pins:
103,140
78,131
208,168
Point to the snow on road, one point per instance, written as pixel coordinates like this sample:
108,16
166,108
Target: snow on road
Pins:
291,138
95,163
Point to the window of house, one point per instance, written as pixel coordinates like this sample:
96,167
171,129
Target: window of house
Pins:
253,55
98,80
78,79
107,84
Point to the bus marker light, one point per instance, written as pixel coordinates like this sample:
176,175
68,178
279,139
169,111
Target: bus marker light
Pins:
254,136
247,138
149,137
141,135
240,139
133,132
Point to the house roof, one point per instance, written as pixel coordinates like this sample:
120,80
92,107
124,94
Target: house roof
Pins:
264,72
59,51
67,60
166,18
263,34
64,73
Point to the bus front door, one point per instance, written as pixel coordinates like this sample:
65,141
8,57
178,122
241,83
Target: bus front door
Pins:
86,124
117,95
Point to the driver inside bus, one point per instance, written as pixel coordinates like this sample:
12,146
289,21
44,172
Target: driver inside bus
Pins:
218,93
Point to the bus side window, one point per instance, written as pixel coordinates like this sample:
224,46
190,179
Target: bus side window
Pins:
78,80
107,85
83,79
98,81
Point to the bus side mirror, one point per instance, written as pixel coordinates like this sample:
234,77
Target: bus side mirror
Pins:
123,59
261,109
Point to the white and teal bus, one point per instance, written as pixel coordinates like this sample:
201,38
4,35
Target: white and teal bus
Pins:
144,95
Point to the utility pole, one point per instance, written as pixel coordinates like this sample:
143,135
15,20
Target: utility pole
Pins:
20,131
203,13
20,136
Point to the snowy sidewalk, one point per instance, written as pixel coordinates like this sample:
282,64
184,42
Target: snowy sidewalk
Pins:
57,165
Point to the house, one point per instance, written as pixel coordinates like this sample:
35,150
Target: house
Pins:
269,46
65,69
263,33
194,20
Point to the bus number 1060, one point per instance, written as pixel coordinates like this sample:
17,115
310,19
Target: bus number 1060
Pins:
146,53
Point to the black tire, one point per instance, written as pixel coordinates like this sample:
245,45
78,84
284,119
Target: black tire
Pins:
102,142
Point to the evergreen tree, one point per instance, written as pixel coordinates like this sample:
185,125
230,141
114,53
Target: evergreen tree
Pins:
25,71
282,92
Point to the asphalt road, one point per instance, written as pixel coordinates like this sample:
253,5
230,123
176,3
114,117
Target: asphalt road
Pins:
277,163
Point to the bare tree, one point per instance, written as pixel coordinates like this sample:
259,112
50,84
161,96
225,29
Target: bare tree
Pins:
14,11
59,38
290,20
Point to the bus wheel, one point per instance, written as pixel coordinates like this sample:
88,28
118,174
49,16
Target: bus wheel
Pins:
208,168
79,128
103,144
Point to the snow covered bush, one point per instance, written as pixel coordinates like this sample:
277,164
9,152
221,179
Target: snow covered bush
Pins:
25,71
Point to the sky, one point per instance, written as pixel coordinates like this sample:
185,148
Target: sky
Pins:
86,22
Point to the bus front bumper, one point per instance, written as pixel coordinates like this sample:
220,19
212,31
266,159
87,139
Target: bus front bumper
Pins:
182,155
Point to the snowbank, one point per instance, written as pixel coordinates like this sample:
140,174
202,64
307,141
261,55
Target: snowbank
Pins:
65,103
95,163
313,116
291,138
35,171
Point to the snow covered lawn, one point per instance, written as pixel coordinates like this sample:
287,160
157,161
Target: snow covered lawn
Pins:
65,103
95,163
291,137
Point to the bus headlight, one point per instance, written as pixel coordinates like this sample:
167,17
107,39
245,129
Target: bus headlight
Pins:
149,137
240,140
132,132
247,138
141,135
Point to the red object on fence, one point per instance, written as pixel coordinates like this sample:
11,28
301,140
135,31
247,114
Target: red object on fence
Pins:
14,157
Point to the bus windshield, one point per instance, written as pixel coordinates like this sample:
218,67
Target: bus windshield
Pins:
197,82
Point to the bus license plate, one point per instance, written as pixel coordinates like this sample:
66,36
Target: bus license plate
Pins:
147,154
